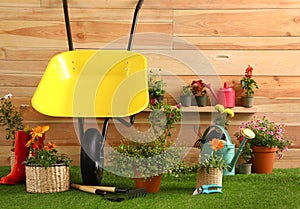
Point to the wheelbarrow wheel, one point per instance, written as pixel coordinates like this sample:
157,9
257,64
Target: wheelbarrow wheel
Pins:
91,157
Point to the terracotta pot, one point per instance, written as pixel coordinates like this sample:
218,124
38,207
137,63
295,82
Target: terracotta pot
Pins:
263,160
152,184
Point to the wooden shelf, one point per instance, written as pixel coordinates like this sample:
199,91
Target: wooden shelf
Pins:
209,109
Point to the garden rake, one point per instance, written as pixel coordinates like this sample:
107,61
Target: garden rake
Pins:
105,190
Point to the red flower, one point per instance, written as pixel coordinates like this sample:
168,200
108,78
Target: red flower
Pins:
153,101
198,88
248,72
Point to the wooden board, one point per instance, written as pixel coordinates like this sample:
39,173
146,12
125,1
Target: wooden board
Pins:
267,22
211,40
238,43
178,4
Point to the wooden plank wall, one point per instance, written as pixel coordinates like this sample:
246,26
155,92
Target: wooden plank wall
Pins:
187,39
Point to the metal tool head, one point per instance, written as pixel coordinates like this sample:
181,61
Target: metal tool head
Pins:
134,193
129,194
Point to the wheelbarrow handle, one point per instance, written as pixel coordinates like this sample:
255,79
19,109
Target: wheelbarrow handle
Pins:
68,27
133,26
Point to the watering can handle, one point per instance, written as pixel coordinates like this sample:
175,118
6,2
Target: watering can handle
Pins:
219,127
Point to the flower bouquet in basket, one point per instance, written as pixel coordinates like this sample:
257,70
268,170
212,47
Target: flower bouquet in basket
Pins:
211,168
46,169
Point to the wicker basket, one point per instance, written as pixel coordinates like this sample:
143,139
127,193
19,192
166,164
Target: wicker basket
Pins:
213,177
47,180
12,159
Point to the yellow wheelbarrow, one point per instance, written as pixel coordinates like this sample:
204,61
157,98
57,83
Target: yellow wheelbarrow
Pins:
94,83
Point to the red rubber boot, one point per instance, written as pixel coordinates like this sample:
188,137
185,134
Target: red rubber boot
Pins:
17,174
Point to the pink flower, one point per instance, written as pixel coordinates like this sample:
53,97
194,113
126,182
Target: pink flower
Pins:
153,101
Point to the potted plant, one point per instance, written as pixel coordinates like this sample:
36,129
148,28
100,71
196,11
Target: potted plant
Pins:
212,166
222,119
146,155
223,114
245,166
199,91
269,140
248,85
12,119
46,170
186,97
156,86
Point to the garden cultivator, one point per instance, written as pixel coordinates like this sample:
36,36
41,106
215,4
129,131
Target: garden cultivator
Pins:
107,191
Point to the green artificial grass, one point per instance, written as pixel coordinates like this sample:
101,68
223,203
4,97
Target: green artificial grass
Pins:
281,189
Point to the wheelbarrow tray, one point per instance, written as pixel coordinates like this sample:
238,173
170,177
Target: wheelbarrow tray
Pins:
93,83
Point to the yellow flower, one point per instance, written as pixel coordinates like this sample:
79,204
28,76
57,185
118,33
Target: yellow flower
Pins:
219,108
229,112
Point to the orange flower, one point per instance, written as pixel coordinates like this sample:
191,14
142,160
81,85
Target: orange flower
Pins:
216,144
30,141
38,131
50,146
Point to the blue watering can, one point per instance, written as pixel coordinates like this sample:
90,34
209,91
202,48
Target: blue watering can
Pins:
228,151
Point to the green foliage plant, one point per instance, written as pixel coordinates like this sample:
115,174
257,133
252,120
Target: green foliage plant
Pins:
156,85
11,117
187,90
152,152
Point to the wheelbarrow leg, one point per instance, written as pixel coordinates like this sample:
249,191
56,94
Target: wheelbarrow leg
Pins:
92,155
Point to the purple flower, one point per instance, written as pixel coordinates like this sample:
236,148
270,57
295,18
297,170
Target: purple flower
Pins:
178,105
172,115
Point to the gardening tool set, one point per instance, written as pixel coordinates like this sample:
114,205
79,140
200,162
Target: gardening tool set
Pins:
208,189
107,192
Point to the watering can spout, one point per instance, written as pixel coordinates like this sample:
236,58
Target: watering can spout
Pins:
212,91
247,134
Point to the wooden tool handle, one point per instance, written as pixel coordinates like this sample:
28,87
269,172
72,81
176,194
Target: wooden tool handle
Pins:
104,188
84,188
